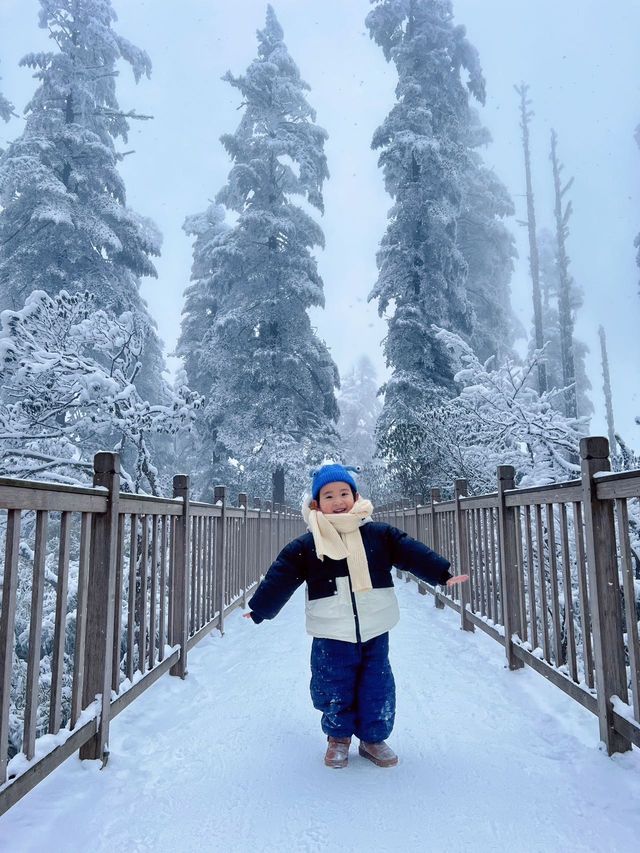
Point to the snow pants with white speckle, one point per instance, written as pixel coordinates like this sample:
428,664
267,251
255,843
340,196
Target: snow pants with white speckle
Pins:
352,684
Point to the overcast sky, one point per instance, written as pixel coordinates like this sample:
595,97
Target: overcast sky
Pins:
578,56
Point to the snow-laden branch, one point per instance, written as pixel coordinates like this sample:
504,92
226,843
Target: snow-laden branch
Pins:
497,418
66,370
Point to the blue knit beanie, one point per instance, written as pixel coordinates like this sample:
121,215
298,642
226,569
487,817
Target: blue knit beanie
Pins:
332,474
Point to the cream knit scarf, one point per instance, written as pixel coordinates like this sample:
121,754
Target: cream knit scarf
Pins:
338,537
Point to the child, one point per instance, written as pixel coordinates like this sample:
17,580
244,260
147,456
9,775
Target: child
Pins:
346,561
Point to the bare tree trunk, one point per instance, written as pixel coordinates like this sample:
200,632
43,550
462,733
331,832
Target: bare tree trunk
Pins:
607,391
534,262
565,318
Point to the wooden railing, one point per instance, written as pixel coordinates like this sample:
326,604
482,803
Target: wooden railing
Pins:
119,588
553,577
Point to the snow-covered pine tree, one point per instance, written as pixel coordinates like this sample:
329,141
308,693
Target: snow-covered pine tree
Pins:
269,380
550,287
360,408
202,297
65,223
489,249
6,108
6,111
424,156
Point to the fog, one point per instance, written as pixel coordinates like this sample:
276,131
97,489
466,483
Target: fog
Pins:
578,57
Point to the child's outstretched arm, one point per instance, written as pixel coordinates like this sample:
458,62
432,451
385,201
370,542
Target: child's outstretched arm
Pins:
413,556
283,578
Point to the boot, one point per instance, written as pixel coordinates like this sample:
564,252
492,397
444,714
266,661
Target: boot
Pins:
337,753
379,753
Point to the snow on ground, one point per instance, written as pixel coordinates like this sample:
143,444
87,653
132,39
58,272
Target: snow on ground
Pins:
231,759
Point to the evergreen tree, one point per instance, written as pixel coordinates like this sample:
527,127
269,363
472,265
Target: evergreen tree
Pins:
425,158
6,111
360,408
550,289
268,379
6,108
202,296
489,249
65,223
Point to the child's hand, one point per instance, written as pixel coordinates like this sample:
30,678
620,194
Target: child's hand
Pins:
457,580
246,615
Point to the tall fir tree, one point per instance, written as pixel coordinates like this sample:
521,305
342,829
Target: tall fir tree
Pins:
65,223
425,158
202,296
268,379
360,408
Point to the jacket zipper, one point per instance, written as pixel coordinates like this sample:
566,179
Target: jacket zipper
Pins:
355,612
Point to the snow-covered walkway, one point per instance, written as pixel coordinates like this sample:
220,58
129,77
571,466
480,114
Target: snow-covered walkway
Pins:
231,759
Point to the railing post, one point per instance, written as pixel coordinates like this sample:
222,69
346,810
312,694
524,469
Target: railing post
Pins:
277,508
435,538
417,501
101,603
406,514
461,490
604,591
220,496
258,544
7,629
267,507
243,501
434,498
180,577
508,551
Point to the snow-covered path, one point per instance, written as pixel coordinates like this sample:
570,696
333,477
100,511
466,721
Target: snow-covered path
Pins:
231,759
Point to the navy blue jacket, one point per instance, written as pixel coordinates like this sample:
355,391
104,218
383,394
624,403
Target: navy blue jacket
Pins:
385,546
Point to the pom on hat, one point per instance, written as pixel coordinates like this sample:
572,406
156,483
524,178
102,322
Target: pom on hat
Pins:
332,474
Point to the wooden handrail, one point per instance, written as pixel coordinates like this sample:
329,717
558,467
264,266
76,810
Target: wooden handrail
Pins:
177,568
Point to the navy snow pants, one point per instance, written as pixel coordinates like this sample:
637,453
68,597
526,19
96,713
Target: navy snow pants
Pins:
352,684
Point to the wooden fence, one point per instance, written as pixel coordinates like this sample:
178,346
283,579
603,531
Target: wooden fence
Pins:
129,584
553,578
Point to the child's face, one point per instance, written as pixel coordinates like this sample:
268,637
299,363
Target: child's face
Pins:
335,498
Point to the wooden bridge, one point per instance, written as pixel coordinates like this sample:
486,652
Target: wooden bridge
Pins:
121,587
